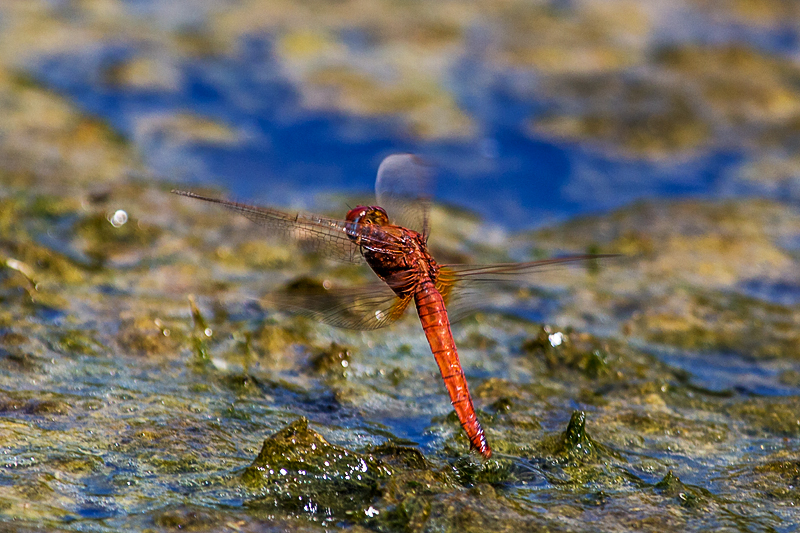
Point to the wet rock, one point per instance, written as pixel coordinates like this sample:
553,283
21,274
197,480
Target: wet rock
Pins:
502,405
780,477
672,487
189,518
333,360
79,342
76,462
410,497
469,470
103,239
298,471
17,360
725,322
575,442
403,457
655,122
772,416
575,458
145,336
32,406
562,349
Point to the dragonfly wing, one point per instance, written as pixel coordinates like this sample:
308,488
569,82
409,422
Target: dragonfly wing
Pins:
516,271
403,189
365,307
327,236
460,284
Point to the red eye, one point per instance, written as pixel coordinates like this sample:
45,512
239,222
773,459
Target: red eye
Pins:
355,214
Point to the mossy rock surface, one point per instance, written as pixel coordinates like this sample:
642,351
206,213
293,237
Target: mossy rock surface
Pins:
297,470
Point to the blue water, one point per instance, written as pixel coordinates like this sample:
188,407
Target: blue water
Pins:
287,154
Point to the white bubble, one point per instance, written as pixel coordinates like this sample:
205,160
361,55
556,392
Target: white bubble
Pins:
556,339
119,218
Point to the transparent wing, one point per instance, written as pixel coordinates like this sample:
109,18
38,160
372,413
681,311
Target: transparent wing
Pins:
514,271
403,189
460,284
364,307
327,236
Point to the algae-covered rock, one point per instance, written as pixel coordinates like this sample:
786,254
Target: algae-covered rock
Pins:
563,350
672,487
573,457
771,416
188,518
657,120
144,336
780,477
574,443
298,471
332,360
469,470
123,408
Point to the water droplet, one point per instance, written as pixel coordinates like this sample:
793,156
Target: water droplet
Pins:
119,218
556,339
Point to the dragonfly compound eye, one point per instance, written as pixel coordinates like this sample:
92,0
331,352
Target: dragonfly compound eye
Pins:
368,215
357,214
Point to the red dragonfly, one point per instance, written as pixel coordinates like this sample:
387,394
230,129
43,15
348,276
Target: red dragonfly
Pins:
398,254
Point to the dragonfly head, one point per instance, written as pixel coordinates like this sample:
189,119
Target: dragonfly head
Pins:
368,215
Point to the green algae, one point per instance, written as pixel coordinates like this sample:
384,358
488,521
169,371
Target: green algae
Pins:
33,406
333,360
574,445
672,487
189,518
146,336
778,477
774,416
656,121
200,334
729,323
297,470
108,422
560,351
106,241
79,342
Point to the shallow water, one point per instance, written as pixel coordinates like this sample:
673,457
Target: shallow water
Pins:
145,386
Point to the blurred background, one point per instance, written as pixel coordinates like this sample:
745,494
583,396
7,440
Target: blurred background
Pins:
140,374
534,111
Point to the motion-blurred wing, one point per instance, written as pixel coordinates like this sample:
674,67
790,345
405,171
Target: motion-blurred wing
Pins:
364,307
403,189
327,236
460,284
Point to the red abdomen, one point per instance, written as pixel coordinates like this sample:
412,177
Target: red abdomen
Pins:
433,315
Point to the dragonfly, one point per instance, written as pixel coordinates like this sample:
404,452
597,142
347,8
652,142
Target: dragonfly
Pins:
396,249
